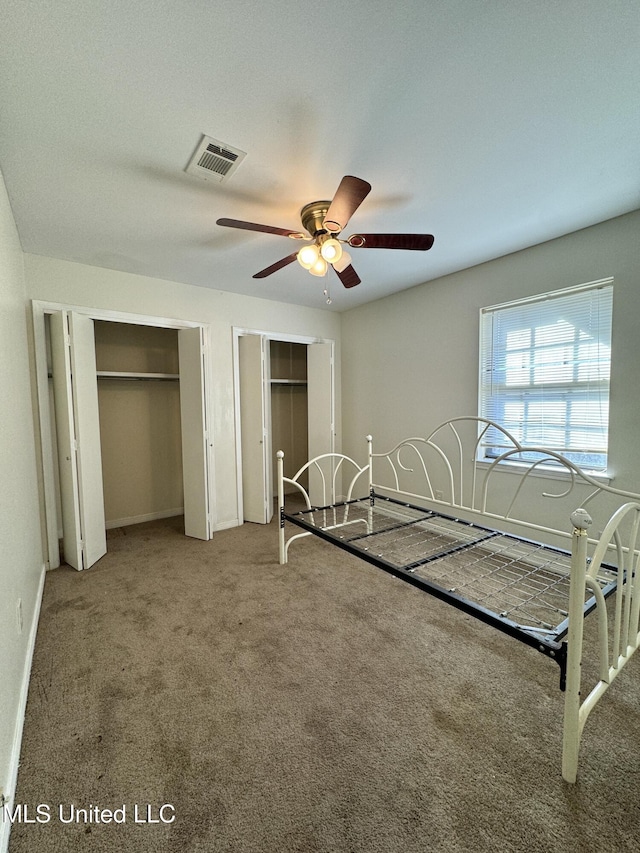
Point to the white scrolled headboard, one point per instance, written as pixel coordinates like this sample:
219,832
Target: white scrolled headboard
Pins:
525,486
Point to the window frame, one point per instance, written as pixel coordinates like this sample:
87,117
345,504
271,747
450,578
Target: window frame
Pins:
564,391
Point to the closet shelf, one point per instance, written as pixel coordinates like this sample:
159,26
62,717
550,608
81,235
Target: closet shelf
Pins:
119,374
288,381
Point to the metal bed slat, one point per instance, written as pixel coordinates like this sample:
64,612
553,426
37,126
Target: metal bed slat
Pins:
514,584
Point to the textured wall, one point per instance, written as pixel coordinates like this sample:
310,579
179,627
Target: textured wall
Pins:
20,531
410,361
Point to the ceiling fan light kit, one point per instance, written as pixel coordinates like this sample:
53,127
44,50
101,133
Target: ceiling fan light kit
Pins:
320,267
331,250
343,262
324,220
308,255
317,256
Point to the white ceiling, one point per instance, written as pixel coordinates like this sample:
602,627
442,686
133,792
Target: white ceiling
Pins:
493,125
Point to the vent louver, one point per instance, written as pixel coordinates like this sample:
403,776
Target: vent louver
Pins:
214,160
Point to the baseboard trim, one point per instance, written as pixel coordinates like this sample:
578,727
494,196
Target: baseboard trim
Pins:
14,763
149,516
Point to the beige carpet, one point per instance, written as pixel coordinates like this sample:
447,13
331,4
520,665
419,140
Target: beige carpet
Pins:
316,707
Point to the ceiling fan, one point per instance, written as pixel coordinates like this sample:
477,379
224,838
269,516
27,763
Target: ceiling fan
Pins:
324,220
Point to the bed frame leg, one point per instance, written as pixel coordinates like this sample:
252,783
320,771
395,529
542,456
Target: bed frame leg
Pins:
572,726
561,659
281,542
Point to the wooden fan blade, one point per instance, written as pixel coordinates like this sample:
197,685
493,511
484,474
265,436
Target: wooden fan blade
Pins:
268,229
348,276
348,198
418,242
277,266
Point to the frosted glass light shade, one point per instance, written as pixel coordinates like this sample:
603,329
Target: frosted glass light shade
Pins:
319,268
343,263
308,255
331,250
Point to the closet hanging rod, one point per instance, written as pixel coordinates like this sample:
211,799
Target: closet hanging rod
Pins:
144,377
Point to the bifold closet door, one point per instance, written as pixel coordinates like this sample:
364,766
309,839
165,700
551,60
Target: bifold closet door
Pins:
320,407
255,434
195,437
78,430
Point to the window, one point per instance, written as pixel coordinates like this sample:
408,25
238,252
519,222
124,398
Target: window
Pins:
544,373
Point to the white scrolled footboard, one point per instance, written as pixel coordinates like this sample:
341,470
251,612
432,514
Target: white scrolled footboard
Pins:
329,470
616,642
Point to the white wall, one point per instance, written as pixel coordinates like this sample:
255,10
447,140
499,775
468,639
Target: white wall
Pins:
21,562
93,287
410,361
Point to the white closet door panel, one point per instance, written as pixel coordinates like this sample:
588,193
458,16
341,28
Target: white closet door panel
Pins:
65,432
320,403
255,436
191,353
87,426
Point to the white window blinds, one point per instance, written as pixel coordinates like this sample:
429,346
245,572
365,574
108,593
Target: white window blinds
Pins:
544,373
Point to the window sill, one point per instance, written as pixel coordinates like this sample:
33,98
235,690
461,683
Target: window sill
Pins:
605,478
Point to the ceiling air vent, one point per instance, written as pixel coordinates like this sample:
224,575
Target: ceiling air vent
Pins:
214,160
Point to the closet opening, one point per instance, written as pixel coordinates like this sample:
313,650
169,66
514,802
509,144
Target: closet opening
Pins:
289,408
285,401
138,375
124,427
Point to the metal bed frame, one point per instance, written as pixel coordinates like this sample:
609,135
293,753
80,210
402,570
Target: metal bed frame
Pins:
450,523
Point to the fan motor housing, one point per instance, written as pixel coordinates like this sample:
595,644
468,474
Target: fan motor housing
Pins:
312,216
